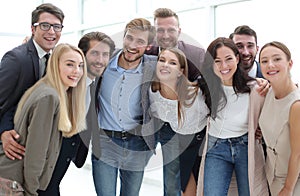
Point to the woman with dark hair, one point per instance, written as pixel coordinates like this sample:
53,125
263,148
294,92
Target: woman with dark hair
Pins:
231,146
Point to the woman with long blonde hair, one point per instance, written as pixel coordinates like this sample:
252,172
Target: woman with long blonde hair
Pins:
51,109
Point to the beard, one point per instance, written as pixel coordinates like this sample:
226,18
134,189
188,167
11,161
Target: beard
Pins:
132,59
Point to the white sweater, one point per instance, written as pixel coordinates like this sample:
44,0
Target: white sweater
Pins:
165,109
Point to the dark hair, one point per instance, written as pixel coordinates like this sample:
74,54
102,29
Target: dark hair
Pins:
49,8
165,13
244,30
143,25
217,97
84,42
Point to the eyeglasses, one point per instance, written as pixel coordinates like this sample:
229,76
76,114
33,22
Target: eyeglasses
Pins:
46,26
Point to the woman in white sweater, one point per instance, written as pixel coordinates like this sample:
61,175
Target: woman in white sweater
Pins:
180,105
231,145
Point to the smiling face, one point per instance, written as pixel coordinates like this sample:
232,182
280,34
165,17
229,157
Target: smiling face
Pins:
225,64
46,39
97,58
275,65
167,31
71,68
135,43
168,68
247,47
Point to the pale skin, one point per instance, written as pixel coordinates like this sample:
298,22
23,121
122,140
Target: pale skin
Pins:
168,70
135,43
71,68
97,58
167,31
276,68
47,40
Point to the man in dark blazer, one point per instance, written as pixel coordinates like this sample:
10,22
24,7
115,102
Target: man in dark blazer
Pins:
245,39
167,27
22,66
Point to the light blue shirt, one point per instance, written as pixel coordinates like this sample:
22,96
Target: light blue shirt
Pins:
120,97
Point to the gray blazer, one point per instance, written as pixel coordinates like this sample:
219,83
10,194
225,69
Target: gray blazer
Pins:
38,128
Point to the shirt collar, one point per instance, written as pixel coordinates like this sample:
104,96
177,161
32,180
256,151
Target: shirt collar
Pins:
253,70
40,51
114,65
89,81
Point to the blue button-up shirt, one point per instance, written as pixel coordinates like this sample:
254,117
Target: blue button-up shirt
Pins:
120,97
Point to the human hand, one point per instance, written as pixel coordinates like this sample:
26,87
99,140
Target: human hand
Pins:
258,135
26,39
263,86
11,148
285,192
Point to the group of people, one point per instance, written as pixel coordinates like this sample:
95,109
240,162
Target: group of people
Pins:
223,129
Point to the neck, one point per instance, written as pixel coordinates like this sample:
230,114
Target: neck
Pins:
168,92
91,76
283,89
127,64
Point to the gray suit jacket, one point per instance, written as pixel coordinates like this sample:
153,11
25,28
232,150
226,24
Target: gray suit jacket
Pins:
38,129
19,70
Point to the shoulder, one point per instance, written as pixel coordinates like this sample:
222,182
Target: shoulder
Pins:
19,53
150,58
189,47
45,92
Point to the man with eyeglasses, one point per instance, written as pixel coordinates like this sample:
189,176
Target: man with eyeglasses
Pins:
22,67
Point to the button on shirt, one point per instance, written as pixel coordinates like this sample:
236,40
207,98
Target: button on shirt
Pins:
120,97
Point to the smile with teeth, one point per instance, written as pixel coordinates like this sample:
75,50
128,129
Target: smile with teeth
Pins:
50,39
73,78
164,71
131,51
225,71
272,72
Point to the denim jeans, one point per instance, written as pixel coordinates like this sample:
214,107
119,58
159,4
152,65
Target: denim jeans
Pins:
222,158
171,162
126,157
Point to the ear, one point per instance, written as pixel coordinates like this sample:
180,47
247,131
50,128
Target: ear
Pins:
180,73
148,47
290,64
32,29
238,58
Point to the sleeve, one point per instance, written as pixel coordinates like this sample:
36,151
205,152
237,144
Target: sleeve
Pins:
38,138
9,75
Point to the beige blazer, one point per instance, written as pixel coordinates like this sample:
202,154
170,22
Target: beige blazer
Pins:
256,161
38,130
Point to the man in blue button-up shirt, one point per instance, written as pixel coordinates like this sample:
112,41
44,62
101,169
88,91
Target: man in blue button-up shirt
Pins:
123,104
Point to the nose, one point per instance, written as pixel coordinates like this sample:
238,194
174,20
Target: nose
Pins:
51,30
222,64
244,50
270,64
77,69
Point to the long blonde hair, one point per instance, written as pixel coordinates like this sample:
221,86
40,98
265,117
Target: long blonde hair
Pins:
72,102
